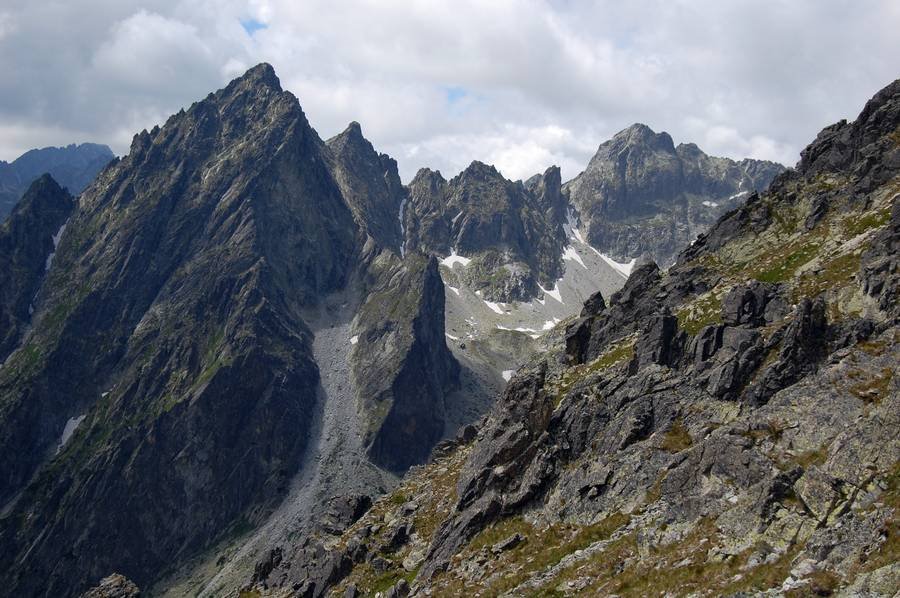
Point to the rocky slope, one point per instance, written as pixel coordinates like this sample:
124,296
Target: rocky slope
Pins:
163,399
642,194
73,167
727,427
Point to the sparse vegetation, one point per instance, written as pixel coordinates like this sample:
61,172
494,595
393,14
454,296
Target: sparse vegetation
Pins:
871,387
677,438
703,312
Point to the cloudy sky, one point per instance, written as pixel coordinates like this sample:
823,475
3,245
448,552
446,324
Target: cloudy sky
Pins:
522,84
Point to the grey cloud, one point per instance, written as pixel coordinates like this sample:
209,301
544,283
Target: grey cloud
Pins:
536,82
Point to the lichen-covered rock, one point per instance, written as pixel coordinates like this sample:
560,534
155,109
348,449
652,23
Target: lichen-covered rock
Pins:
114,586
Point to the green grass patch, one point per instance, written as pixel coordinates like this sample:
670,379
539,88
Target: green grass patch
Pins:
701,313
835,274
858,224
783,264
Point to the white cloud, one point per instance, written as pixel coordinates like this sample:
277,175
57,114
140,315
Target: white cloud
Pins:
518,83
7,24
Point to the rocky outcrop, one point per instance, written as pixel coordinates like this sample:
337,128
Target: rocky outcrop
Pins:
73,167
642,194
114,586
401,366
28,239
880,265
371,186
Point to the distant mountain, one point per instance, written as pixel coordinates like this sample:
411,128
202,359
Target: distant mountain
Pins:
73,167
640,194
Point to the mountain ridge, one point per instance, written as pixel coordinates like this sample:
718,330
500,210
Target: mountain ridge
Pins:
238,299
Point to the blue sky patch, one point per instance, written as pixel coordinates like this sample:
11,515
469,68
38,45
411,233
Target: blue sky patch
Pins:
455,94
251,26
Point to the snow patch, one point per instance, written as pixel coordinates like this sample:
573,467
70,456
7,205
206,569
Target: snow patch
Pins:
736,195
554,293
402,228
571,254
494,306
623,269
508,374
454,258
712,204
551,323
518,329
455,218
354,339
56,239
454,289
68,430
451,337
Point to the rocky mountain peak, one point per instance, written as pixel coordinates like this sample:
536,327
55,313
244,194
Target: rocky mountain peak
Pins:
263,74
480,172
871,141
640,194
640,135
354,129
45,189
428,177
370,182
73,167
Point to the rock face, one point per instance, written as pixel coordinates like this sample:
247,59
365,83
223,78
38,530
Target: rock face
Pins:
27,241
513,234
400,363
164,394
73,167
731,422
371,184
642,194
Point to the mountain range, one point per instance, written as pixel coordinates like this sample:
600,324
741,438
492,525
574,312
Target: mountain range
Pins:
73,167
219,356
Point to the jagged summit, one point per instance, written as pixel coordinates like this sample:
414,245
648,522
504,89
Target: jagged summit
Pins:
642,194
639,134
843,144
261,74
